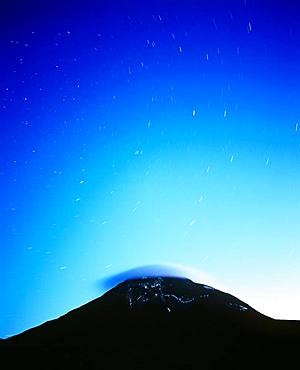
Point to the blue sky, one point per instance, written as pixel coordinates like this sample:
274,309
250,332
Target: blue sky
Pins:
135,134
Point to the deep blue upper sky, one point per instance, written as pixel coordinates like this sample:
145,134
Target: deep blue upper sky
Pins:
135,133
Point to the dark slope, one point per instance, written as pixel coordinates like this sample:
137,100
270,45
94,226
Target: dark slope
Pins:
158,323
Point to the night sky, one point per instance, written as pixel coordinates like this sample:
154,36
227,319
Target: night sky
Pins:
137,133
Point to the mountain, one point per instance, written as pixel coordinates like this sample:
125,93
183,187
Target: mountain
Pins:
157,323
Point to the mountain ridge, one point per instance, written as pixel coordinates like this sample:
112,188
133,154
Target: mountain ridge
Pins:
161,322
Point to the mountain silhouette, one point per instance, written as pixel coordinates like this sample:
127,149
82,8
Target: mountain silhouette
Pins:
157,323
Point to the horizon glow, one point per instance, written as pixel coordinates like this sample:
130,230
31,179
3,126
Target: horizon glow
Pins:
136,134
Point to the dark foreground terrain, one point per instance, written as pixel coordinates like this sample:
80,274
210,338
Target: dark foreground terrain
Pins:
158,323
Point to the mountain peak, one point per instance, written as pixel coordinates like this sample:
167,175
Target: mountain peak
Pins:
157,291
174,293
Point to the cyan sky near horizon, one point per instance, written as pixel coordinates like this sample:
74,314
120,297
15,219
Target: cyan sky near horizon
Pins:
141,134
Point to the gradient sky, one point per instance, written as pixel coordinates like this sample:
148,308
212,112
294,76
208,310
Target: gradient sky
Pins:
135,133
